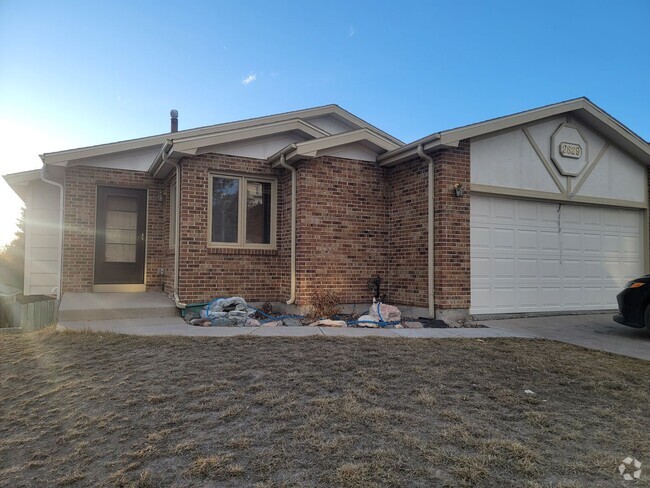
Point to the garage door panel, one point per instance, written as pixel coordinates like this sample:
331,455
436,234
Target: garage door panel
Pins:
539,256
630,245
591,243
526,212
481,297
549,268
549,240
528,297
551,297
572,296
570,241
480,237
503,239
526,268
504,268
503,211
527,240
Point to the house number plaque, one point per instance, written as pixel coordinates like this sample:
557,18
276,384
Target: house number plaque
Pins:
569,150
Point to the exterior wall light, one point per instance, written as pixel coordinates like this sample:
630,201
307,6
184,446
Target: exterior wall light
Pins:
458,190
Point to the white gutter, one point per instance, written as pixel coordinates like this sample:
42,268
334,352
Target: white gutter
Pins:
177,244
61,224
283,163
430,228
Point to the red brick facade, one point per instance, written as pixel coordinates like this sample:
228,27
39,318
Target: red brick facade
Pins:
407,279
342,227
355,220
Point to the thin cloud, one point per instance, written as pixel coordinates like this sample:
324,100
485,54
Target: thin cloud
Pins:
249,79
351,31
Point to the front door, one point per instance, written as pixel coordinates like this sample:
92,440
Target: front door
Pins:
120,235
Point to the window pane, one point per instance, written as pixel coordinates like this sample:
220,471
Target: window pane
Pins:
225,209
121,227
258,212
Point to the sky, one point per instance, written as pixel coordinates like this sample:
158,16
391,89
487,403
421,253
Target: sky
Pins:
78,73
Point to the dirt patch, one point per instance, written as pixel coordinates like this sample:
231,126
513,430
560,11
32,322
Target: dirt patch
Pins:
81,409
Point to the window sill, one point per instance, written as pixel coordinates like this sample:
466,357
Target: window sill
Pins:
242,250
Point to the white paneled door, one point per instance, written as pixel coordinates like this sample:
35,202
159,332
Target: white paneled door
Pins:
530,256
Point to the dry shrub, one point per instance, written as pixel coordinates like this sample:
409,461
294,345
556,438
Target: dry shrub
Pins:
324,304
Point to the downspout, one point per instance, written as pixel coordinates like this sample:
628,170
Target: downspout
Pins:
430,228
61,216
177,237
283,163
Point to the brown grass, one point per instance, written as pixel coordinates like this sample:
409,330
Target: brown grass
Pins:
80,409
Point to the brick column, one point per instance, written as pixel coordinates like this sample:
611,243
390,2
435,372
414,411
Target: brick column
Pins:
452,235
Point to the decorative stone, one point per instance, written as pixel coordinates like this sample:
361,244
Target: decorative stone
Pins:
272,324
292,322
368,321
389,313
413,325
252,323
237,313
329,323
223,322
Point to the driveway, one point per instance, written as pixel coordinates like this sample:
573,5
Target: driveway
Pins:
594,331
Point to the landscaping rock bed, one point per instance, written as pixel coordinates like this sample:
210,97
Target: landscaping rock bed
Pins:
235,312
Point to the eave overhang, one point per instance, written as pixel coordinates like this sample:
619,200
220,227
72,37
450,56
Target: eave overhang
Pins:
20,181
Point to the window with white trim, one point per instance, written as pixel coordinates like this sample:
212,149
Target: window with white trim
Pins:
242,211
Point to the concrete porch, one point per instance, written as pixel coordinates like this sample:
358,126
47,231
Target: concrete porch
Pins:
115,306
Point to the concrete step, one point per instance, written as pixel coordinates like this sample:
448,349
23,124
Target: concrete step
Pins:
114,306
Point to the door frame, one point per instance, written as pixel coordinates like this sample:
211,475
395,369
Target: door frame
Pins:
121,287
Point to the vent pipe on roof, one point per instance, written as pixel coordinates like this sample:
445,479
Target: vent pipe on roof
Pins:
174,116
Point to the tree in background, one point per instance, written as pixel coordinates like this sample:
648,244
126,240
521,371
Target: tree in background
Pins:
12,256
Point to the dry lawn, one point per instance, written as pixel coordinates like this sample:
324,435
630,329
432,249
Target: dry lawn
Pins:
82,409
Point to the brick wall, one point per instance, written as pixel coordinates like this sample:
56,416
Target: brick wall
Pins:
342,227
452,239
80,213
407,279
205,273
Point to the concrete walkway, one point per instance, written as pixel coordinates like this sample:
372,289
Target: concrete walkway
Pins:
176,326
594,331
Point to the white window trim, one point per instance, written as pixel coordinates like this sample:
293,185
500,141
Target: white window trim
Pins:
172,216
241,223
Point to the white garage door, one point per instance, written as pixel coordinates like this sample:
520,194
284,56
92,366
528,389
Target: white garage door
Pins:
532,256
